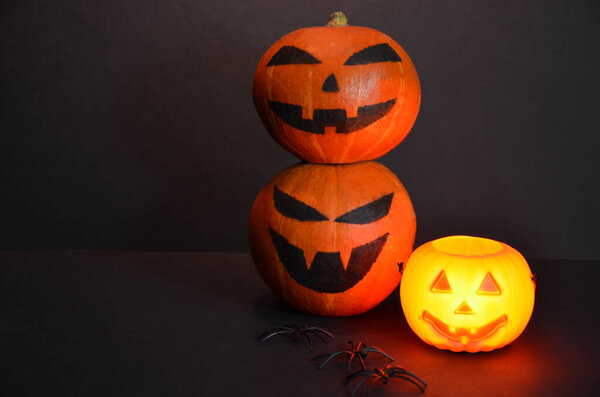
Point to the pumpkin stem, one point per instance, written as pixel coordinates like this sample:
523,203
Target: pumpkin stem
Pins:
338,18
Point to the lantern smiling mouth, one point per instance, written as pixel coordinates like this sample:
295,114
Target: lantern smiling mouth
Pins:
327,273
366,115
465,334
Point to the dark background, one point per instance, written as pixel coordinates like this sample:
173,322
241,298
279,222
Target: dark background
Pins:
130,124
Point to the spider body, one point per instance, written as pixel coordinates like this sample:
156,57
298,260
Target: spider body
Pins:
383,375
296,332
360,351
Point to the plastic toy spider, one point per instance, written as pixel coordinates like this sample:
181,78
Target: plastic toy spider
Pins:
296,331
360,351
384,375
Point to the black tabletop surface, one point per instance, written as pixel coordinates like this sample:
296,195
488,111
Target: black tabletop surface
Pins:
90,323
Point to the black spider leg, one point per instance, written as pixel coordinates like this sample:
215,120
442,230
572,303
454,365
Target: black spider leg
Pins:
384,375
398,372
362,351
305,334
357,352
377,350
276,331
364,373
422,388
330,356
317,331
297,332
371,379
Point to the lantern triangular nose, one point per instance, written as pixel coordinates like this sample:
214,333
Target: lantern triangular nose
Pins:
330,84
464,308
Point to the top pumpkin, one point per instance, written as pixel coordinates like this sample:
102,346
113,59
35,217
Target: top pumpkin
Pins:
337,93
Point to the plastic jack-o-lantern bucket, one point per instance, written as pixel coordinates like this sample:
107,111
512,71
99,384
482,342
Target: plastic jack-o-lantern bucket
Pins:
465,293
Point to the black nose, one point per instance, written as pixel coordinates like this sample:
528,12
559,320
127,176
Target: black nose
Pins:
330,84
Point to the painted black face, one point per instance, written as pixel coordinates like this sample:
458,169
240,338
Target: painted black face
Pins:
366,115
327,273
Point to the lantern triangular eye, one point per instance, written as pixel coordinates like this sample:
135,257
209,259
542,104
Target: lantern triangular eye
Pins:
441,283
489,286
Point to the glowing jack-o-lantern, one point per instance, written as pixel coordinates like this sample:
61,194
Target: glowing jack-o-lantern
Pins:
467,293
328,239
337,93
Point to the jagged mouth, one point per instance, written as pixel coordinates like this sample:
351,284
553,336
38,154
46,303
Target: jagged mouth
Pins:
327,273
465,334
366,115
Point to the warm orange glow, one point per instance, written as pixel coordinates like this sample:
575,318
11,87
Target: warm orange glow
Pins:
465,293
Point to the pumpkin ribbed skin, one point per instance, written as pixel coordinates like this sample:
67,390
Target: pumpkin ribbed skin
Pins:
310,87
334,235
484,302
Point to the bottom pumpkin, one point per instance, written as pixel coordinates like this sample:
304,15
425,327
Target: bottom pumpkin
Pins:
331,239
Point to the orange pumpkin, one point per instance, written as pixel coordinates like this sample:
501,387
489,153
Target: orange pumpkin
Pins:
337,94
328,239
465,293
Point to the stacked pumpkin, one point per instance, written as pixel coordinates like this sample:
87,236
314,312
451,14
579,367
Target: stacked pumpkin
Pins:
329,235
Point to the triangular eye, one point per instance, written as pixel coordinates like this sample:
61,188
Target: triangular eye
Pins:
368,213
290,55
374,54
441,284
294,208
489,286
